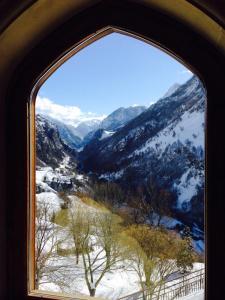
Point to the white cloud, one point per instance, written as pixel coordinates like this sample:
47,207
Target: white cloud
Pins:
67,114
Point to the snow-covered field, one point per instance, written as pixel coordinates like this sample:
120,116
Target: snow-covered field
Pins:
196,296
115,284
67,276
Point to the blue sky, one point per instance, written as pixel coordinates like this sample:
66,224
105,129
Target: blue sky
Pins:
114,71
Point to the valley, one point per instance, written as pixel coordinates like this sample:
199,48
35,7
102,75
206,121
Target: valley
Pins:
141,166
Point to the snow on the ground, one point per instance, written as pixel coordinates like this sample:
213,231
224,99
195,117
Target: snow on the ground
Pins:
115,284
196,296
50,198
65,162
51,287
166,221
80,177
43,173
187,187
118,282
198,268
47,174
45,187
106,134
46,177
184,131
112,175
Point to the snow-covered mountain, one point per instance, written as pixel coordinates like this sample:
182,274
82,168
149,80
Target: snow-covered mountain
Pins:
166,142
56,142
56,163
113,122
71,135
78,136
120,117
85,127
67,132
171,90
50,148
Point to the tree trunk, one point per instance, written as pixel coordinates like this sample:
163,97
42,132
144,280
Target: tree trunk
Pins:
159,220
147,272
144,295
92,292
77,256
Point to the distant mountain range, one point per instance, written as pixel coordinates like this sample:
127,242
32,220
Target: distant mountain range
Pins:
78,137
164,141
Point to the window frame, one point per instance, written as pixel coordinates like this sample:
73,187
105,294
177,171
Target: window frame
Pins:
32,134
19,113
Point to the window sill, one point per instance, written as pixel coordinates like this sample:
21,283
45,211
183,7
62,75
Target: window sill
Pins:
57,296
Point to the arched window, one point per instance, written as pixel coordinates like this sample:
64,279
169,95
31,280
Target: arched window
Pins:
187,33
119,185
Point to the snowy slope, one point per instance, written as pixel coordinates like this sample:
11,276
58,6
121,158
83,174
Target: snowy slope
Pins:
165,142
113,122
171,90
121,116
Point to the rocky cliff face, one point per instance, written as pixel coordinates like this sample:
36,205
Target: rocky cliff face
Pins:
50,149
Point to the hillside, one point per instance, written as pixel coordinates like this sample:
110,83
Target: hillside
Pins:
166,143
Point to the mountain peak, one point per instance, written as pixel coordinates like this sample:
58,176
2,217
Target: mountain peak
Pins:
171,90
121,116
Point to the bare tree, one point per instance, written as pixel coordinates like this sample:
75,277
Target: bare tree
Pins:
98,242
47,239
159,200
77,229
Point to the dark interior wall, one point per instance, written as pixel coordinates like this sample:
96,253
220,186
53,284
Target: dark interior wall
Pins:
183,41
9,10
2,207
22,25
215,9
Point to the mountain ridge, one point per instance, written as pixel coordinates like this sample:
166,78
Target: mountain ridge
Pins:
155,143
164,142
